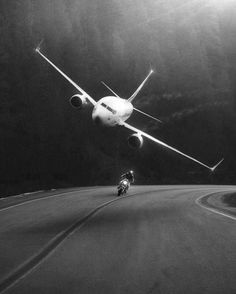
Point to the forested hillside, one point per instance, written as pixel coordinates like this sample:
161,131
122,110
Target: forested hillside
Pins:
45,143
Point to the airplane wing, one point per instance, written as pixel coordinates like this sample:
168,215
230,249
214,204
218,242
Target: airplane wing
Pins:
169,147
83,93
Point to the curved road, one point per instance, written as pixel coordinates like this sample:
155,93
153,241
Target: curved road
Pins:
159,239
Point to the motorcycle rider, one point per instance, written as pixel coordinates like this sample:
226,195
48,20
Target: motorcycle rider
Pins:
125,180
129,176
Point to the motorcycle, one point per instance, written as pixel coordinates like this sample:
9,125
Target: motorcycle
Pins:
123,187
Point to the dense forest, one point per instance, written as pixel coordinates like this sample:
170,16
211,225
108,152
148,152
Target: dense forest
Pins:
45,143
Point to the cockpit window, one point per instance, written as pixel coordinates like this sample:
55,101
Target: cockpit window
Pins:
108,108
111,110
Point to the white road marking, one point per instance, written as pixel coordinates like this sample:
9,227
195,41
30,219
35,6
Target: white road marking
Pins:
35,192
197,201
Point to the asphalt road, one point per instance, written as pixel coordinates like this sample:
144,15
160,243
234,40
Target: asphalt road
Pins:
159,239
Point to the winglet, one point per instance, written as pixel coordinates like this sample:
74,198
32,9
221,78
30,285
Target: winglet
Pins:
37,49
215,166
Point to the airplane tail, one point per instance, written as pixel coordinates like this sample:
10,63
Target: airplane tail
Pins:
140,87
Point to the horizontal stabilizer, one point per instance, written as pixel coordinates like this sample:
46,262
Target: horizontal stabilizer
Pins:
110,89
148,115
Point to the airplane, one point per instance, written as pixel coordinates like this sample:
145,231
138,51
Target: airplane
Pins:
114,111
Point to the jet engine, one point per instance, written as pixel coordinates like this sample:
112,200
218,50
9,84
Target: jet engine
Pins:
135,141
78,101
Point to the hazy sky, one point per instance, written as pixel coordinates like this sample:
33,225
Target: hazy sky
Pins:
191,45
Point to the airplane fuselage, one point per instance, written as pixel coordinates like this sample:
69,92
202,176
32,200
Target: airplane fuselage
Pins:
111,111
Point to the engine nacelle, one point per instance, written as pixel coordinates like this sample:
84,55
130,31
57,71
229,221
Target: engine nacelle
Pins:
78,101
135,141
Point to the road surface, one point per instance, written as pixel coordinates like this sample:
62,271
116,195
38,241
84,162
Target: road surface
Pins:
159,239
